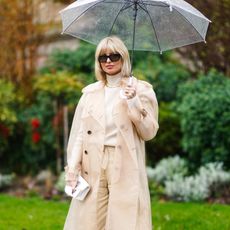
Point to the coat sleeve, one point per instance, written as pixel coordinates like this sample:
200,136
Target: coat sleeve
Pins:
143,112
74,147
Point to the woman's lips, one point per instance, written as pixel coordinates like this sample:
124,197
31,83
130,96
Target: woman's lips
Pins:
109,66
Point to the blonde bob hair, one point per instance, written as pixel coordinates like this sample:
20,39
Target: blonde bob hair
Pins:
116,45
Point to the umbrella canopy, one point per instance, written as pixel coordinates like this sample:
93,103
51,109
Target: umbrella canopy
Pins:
153,25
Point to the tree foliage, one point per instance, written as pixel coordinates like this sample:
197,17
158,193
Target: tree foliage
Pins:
79,61
22,30
62,86
7,101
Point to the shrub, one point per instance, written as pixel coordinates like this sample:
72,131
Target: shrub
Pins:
204,107
6,180
167,168
77,61
199,186
34,139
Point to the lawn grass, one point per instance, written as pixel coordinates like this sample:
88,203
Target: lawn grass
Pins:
31,213
190,216
38,214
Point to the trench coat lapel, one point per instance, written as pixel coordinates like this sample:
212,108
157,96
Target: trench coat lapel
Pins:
97,107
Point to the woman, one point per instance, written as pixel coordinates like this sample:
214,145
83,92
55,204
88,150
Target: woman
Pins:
106,146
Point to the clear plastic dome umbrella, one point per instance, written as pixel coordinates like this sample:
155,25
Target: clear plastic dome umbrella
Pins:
150,25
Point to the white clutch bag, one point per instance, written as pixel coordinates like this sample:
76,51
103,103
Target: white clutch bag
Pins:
80,191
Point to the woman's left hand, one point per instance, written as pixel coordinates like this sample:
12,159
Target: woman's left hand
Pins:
130,91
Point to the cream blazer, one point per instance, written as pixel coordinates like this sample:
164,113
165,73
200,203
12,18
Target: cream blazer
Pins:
129,201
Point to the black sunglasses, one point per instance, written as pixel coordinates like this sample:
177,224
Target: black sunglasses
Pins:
112,58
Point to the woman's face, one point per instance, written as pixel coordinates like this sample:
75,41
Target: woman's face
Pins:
109,66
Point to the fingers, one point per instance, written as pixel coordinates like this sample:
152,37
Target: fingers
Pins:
71,183
71,178
130,92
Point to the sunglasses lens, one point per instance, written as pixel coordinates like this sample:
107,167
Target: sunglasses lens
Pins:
114,57
102,58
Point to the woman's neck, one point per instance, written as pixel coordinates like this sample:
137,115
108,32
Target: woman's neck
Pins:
113,80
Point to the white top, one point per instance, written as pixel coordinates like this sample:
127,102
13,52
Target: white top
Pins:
112,92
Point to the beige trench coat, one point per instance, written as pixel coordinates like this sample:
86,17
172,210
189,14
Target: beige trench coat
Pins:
129,200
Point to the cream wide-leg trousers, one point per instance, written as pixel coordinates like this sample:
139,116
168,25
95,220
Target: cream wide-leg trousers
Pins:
104,186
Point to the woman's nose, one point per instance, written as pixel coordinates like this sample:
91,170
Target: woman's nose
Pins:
108,60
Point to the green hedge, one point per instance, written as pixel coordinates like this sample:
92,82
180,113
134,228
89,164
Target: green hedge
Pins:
204,106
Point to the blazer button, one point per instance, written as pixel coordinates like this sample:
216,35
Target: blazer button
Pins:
86,152
89,132
86,172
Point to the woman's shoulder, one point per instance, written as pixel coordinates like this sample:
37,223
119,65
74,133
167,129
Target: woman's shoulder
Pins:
142,85
93,87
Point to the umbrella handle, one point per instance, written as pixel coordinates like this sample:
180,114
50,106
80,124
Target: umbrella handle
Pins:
129,83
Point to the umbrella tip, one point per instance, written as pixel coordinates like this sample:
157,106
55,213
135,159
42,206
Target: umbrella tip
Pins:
170,5
205,41
161,52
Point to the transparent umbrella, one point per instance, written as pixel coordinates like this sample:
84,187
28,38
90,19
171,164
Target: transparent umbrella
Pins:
151,25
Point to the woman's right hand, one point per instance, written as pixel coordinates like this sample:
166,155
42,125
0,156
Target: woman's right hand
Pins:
70,177
71,183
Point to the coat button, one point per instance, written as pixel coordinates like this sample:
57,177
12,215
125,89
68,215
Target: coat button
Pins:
86,172
89,132
86,152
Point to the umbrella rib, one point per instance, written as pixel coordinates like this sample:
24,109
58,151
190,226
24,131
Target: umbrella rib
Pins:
146,10
128,6
118,2
150,4
121,9
82,14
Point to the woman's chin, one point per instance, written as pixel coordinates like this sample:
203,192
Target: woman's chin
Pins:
112,72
